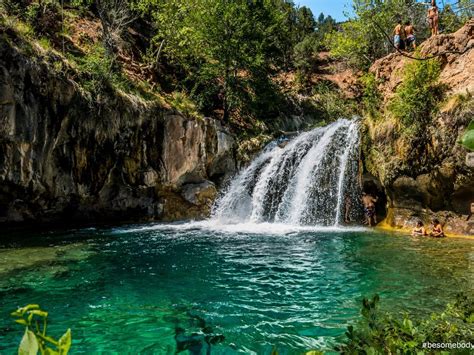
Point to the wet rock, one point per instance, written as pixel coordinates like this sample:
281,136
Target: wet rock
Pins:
200,194
66,156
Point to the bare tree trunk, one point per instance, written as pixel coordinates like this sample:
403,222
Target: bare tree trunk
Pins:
115,17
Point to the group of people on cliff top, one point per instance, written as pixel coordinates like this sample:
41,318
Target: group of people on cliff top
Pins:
404,33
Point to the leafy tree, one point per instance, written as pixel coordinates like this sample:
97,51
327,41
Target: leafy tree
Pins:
305,23
324,26
222,46
465,10
304,58
363,39
449,21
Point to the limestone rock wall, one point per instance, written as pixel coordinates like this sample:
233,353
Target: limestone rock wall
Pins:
65,157
426,176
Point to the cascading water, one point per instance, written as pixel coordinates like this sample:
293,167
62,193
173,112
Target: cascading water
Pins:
304,183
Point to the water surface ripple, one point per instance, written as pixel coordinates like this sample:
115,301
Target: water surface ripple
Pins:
127,289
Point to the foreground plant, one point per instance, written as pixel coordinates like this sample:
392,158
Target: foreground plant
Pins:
384,333
35,338
467,139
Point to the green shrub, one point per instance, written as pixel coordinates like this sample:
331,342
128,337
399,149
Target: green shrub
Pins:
185,105
467,139
331,102
44,17
416,99
304,54
35,337
371,97
97,67
384,333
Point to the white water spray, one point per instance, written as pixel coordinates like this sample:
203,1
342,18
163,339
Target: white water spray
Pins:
301,184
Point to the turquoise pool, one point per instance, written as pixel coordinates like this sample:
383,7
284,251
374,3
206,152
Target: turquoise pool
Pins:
126,290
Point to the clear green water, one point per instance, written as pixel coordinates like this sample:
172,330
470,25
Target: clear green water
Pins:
126,290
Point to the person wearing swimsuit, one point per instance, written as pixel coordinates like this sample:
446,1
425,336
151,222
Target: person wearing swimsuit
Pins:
437,231
433,18
369,208
419,230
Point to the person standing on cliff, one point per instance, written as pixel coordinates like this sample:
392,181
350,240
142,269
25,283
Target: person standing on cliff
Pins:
433,18
410,33
397,35
369,202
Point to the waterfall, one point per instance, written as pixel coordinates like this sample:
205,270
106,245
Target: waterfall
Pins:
304,183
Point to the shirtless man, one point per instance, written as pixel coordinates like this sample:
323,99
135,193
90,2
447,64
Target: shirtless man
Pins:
410,33
397,35
433,18
369,208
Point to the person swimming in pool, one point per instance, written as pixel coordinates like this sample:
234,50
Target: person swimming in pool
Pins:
437,231
419,230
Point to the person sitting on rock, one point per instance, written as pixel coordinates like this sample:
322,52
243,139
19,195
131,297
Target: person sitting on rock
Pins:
437,231
398,32
419,230
369,208
433,18
410,33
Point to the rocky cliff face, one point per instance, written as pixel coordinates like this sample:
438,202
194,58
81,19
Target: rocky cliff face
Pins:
426,176
65,157
455,51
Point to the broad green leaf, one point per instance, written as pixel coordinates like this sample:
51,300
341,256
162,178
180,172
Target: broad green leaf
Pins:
29,344
65,342
21,321
468,139
49,351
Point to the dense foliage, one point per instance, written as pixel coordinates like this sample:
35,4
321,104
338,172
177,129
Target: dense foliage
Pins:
384,333
244,61
366,36
416,98
222,55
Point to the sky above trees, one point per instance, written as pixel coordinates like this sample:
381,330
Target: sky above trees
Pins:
338,8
